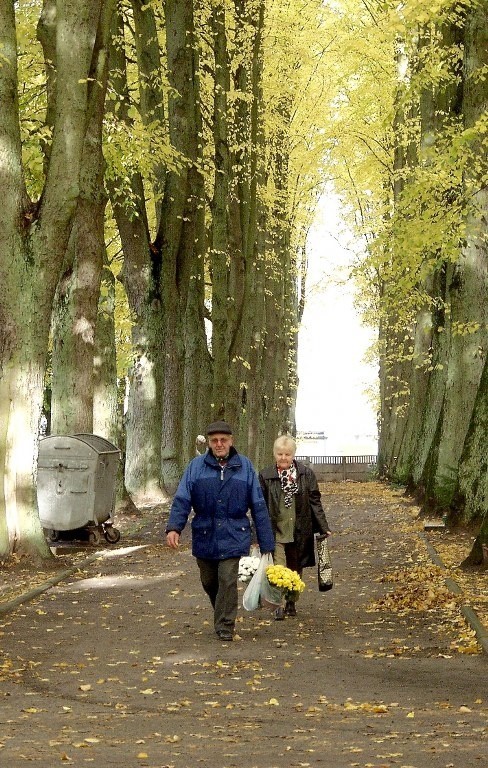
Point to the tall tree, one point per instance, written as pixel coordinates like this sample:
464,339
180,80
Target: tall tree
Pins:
33,240
77,298
473,472
163,238
125,180
238,151
179,239
426,238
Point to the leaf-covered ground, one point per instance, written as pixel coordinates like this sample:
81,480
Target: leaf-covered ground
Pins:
420,585
118,664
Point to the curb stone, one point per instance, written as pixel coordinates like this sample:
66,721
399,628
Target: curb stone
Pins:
25,597
469,614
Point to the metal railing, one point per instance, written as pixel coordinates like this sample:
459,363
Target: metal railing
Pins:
336,468
364,459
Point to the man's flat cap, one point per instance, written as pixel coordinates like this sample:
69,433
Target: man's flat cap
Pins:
219,427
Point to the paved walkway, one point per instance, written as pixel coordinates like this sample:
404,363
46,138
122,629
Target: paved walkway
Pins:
118,665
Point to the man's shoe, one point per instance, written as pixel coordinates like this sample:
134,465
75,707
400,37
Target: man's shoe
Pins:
225,634
278,614
290,608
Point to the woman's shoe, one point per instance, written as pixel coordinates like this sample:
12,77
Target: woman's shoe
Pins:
290,608
278,614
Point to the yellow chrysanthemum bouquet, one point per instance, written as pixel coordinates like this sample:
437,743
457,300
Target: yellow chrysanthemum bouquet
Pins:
286,582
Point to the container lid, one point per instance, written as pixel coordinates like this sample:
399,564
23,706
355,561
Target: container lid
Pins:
97,443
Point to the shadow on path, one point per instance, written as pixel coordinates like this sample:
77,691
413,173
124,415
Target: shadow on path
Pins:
118,665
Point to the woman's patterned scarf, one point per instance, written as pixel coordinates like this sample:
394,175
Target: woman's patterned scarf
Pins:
289,486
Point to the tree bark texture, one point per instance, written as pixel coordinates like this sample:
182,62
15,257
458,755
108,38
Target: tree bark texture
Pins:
140,277
32,247
222,257
197,372
473,469
105,403
178,240
466,296
237,274
76,307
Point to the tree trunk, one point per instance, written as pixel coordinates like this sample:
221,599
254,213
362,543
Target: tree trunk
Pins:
413,442
105,408
74,322
32,248
248,338
178,240
197,372
469,304
473,469
466,286
149,67
140,277
391,342
429,409
236,296
222,257
76,308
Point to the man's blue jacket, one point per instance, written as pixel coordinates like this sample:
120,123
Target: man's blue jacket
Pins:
220,499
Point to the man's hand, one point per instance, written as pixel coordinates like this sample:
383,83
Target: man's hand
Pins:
173,539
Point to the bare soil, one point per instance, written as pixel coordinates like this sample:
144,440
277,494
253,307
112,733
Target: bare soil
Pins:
117,664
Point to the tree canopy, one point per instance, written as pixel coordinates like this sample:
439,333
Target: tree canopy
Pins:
162,165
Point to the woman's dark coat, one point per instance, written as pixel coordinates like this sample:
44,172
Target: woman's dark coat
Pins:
310,516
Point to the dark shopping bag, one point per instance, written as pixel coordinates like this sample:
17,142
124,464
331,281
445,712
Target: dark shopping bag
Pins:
324,565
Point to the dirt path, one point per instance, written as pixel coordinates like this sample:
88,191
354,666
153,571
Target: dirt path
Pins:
118,664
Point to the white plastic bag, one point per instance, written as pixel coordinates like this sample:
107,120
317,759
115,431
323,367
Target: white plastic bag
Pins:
251,598
270,593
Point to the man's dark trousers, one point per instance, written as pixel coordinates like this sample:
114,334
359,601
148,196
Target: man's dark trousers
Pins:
219,580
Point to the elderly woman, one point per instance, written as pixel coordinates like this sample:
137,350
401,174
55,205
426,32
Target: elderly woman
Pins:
292,496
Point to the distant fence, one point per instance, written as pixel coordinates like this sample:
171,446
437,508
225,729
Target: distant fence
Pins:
338,468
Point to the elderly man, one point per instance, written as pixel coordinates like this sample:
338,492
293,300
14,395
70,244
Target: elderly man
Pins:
221,486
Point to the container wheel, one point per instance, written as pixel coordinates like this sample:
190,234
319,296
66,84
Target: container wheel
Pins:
112,534
93,537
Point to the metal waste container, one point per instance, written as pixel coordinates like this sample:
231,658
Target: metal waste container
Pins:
76,485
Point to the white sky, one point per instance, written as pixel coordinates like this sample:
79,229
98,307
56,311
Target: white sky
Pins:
333,375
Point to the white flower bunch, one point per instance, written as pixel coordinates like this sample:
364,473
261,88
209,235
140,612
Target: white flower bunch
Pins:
247,567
